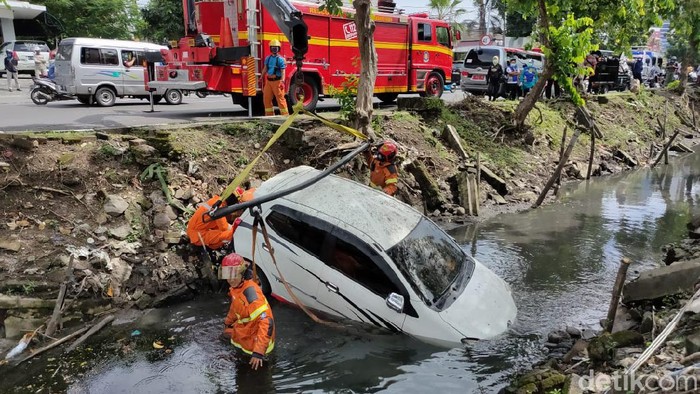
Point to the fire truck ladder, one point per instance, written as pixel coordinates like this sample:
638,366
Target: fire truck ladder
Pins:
254,17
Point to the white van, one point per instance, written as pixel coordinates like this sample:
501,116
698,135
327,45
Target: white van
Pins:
355,253
106,69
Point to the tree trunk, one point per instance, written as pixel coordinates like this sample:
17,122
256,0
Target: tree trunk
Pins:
482,16
368,69
687,61
528,103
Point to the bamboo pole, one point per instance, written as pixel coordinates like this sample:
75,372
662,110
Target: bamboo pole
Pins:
692,111
557,171
93,330
617,291
590,160
53,345
561,154
664,152
478,182
469,195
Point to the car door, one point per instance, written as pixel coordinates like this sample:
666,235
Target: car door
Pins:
297,239
133,75
358,281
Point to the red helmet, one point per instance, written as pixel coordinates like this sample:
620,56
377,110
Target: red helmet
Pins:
232,266
387,151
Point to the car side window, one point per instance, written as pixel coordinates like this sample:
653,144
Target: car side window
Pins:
109,57
297,232
89,55
425,32
359,267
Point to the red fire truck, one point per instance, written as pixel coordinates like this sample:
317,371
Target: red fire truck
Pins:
226,42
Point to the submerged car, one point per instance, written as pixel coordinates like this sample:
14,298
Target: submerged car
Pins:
355,253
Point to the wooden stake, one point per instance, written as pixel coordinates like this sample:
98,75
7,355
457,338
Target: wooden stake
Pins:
56,316
692,111
557,172
478,181
590,160
476,196
664,152
94,329
54,344
469,196
561,154
617,290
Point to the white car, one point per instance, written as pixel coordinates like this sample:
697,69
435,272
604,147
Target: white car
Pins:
25,52
356,253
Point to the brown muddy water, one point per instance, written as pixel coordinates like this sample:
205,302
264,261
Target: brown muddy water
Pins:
560,261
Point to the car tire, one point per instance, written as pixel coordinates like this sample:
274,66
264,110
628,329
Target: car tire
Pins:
310,91
105,97
387,98
85,100
264,282
434,86
173,97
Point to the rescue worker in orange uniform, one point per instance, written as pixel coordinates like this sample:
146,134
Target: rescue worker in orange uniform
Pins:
273,75
383,172
249,322
218,232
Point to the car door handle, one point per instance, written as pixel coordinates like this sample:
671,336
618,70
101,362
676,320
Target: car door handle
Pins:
331,287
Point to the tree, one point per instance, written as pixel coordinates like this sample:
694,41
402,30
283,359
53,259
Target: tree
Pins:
447,10
685,23
368,60
118,19
566,35
162,20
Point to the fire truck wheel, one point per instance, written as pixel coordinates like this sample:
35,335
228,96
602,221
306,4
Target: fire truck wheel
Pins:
173,97
310,92
105,97
434,86
387,98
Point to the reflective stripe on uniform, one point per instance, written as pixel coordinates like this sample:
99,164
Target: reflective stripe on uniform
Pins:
374,186
253,315
270,346
205,205
391,180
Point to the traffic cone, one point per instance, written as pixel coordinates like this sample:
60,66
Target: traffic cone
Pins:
225,39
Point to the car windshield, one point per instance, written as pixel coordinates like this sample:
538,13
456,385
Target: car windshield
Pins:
459,57
430,260
480,57
31,46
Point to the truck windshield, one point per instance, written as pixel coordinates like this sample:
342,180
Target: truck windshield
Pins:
430,261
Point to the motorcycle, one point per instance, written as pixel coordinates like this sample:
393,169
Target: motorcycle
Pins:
45,90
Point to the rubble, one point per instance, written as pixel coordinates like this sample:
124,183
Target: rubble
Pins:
115,205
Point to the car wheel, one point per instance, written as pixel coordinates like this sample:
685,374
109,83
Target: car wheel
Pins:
173,97
387,98
264,282
84,100
434,86
105,97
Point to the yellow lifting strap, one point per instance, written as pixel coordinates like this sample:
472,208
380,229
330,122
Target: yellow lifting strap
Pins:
298,110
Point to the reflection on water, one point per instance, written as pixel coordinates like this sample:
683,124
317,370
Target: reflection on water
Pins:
560,260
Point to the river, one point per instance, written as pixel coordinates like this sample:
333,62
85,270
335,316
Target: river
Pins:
560,261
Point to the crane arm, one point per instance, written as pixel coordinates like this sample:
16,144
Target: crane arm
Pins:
290,21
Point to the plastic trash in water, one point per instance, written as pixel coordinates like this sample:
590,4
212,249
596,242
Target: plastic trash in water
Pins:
21,346
135,333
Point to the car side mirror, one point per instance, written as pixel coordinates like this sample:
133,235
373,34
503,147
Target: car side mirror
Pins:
395,302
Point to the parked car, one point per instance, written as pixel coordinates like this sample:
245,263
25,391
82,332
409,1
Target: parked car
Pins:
105,70
355,253
479,59
458,56
25,50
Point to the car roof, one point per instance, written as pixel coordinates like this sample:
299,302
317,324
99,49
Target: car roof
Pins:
384,219
110,43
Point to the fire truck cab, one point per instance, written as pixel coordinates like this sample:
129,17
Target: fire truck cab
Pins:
227,41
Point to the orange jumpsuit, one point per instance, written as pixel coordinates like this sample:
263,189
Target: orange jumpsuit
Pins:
214,233
383,175
274,85
249,322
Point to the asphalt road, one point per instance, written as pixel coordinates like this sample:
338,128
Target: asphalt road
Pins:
19,113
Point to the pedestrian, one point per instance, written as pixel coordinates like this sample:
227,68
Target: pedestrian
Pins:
249,323
11,62
494,77
216,233
383,174
273,75
528,78
637,70
512,83
39,64
552,89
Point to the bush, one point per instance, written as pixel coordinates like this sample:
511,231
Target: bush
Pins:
674,85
